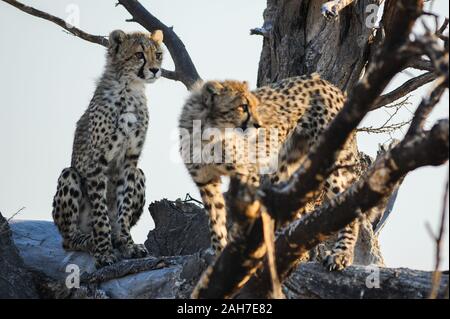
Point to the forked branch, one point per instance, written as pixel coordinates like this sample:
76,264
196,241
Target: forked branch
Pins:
185,70
71,29
284,201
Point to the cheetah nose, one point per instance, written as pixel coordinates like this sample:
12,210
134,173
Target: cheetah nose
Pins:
154,70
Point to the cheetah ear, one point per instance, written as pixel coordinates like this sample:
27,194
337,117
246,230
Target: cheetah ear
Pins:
116,38
157,36
210,91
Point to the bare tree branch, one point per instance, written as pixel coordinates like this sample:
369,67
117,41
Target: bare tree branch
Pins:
417,149
312,281
425,108
441,30
371,190
436,279
387,126
71,29
287,199
405,89
269,240
185,70
125,268
284,201
420,64
383,129
436,66
242,254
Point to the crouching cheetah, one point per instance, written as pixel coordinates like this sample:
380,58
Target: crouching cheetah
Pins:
302,105
102,194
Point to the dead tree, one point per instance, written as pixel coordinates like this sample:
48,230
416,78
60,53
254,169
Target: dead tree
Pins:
340,41
298,40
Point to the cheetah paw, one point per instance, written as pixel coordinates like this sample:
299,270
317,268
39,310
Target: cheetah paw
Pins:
105,259
338,260
134,251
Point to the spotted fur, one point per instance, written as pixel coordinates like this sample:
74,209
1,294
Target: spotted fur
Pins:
300,105
102,194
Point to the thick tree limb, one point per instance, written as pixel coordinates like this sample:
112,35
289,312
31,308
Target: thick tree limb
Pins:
126,267
405,89
375,187
288,199
242,254
285,201
417,149
420,64
185,70
71,29
312,281
424,109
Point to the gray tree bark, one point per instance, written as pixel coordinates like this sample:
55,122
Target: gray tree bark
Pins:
301,41
171,273
15,280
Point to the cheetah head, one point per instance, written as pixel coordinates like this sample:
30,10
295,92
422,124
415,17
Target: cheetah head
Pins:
136,56
230,104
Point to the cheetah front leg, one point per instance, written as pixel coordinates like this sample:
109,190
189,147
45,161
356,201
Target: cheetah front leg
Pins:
68,203
96,182
130,205
342,254
214,203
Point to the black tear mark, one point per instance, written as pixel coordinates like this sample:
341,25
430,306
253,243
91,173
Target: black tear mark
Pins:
141,70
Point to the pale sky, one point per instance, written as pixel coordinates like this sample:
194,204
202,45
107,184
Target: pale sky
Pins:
47,78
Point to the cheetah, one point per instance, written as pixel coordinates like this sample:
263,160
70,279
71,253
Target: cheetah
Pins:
303,106
102,194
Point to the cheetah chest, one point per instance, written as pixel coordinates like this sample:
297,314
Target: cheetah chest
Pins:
132,126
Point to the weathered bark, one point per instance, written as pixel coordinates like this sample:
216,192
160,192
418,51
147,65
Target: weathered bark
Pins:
15,280
175,277
39,244
311,281
181,228
284,201
301,41
371,190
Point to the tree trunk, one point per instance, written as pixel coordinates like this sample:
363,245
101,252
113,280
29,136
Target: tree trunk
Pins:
301,41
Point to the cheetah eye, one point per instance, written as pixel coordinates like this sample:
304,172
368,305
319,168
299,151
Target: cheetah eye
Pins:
158,55
139,55
243,108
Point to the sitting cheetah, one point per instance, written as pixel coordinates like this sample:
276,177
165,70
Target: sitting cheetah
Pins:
102,194
302,105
